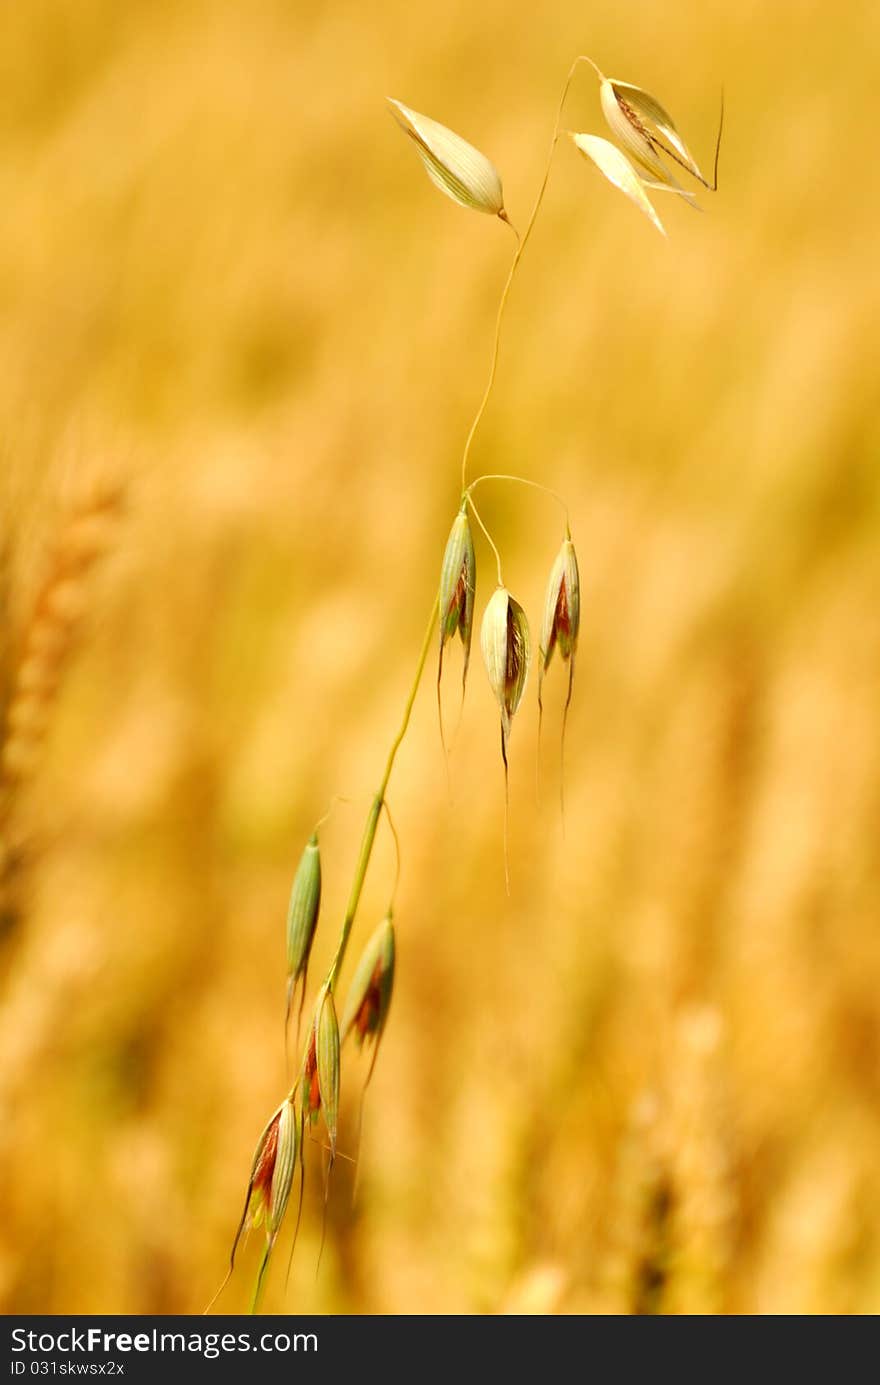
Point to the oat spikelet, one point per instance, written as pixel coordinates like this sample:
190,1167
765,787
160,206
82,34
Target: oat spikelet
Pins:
302,920
458,578
617,168
560,627
369,996
268,1191
506,653
646,130
504,637
320,1075
453,165
367,1005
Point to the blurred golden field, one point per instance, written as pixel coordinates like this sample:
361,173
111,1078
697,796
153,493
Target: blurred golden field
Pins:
241,342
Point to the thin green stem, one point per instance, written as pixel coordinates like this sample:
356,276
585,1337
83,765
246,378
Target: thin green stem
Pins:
374,814
390,820
524,481
522,242
491,542
378,802
337,798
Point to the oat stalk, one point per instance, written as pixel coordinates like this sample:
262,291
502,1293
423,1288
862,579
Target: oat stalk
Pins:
465,175
521,244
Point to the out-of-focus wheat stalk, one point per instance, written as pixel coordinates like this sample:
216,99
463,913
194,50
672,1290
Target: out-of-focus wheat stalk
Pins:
674,1204
34,662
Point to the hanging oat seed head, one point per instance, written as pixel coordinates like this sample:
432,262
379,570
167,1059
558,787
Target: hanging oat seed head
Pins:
369,996
456,167
560,627
302,918
272,1172
458,580
320,1077
506,651
311,1089
618,170
562,608
285,1163
645,130
269,1187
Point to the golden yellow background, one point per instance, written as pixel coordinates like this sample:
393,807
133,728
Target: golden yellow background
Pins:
649,1080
